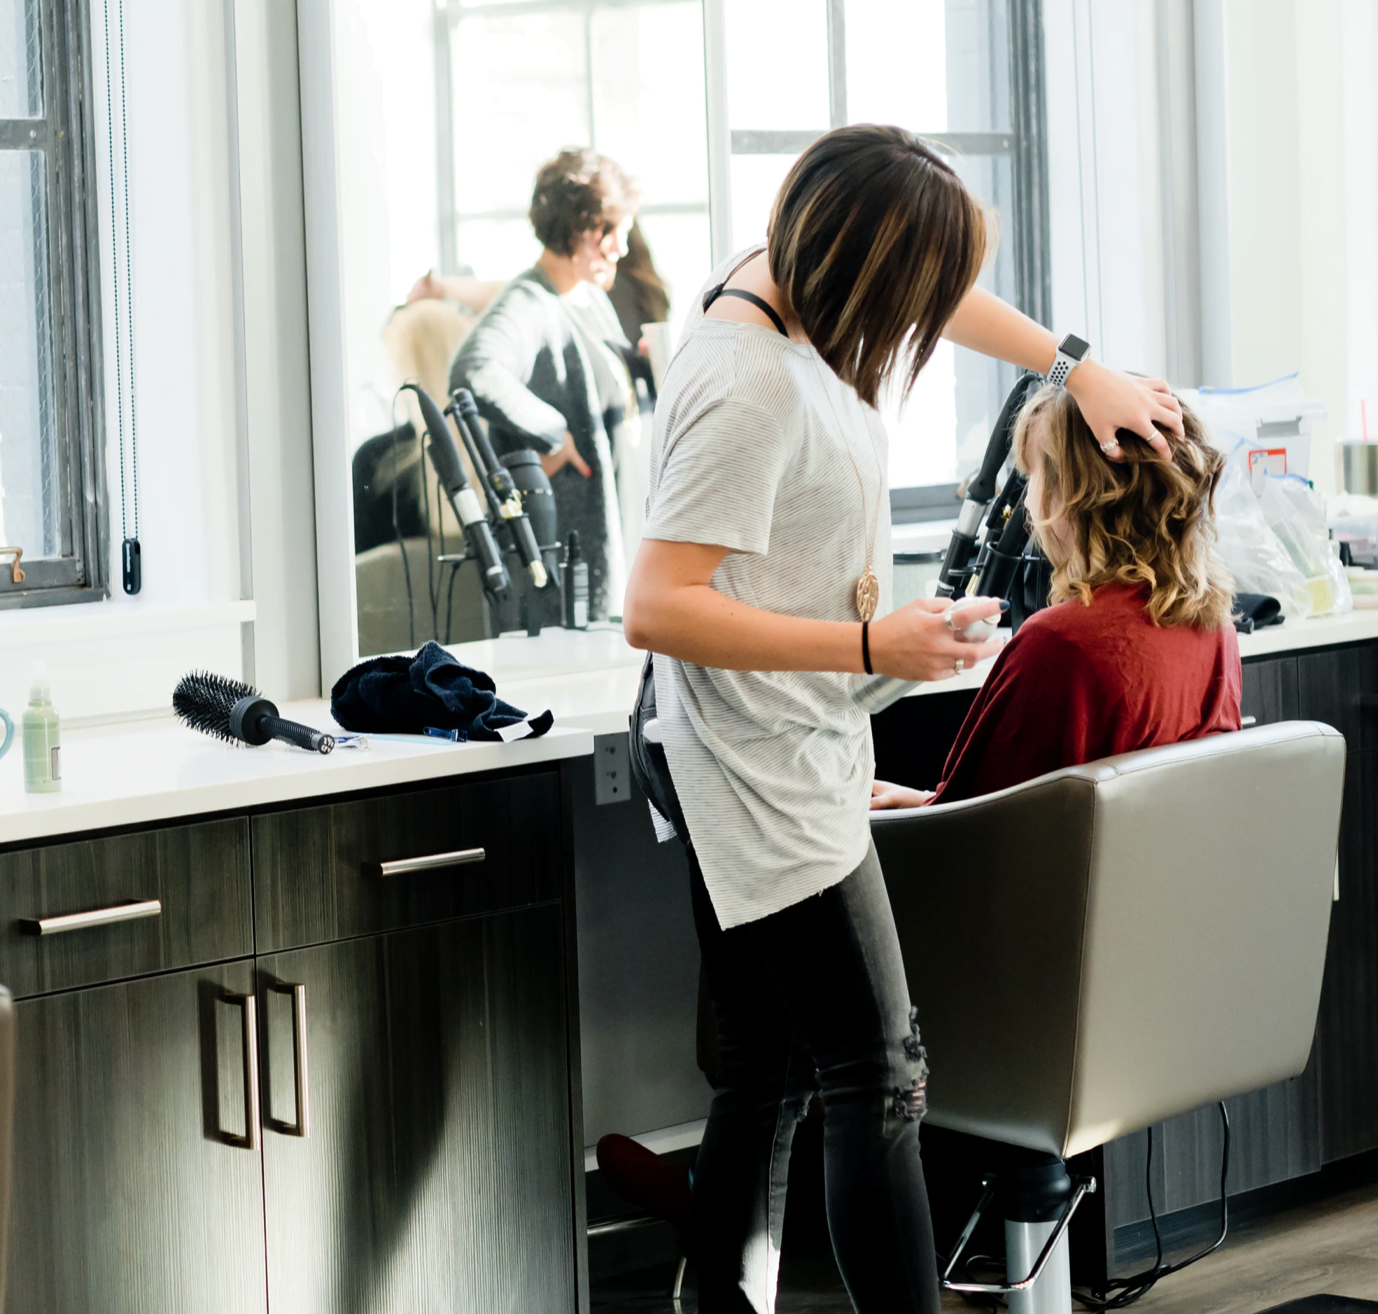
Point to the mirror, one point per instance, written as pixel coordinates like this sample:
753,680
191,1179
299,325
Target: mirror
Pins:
445,116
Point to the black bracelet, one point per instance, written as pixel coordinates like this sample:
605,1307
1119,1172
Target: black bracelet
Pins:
866,647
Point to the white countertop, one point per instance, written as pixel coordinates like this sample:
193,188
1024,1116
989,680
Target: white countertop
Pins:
589,678
135,773
122,775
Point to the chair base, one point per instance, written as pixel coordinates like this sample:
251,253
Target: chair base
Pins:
1037,1199
1052,1292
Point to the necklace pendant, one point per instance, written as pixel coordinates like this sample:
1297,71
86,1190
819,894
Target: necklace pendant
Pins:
867,595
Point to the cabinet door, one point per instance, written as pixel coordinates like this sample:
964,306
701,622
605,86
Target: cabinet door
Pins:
437,1173
1347,1031
135,1186
1270,690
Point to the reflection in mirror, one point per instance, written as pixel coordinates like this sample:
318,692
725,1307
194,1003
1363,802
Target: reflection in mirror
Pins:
524,217
523,188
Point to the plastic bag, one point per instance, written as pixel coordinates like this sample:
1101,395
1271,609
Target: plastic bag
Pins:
1256,557
1296,514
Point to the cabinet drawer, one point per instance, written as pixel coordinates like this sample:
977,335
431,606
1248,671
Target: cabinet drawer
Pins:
198,875
319,872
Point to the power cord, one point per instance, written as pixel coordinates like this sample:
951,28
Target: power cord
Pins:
1122,1292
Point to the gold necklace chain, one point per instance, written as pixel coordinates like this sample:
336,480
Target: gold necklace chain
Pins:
867,586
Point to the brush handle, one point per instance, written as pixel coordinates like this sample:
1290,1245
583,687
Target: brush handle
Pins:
290,732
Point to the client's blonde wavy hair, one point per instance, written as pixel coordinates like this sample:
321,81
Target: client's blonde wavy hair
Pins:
1142,521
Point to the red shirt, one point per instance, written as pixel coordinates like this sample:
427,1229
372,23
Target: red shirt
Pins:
1079,683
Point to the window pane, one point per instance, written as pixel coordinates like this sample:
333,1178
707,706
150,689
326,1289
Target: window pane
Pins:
680,248
29,484
929,65
520,95
497,248
648,106
940,435
755,180
21,91
777,64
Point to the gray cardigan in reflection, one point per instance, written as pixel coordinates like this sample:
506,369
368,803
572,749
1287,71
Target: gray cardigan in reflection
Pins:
528,364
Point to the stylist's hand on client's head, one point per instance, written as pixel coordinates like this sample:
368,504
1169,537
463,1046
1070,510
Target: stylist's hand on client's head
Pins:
1110,400
917,643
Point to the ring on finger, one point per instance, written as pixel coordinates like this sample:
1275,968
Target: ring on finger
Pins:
960,666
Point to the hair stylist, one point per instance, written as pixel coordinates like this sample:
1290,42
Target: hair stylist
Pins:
767,553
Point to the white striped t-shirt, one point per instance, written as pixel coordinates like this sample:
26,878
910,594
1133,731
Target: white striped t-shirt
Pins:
773,768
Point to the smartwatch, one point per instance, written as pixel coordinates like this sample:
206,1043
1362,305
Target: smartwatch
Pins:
1071,351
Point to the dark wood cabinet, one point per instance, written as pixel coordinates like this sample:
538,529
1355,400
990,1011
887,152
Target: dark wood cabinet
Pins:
1269,691
1347,1030
438,1172
160,1161
136,1189
319,871
199,874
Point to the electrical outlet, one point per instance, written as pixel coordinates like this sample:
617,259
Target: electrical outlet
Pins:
612,769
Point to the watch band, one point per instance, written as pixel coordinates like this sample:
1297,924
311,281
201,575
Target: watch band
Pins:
1071,351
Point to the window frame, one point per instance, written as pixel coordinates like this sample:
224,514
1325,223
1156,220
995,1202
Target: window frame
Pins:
448,16
1024,144
65,134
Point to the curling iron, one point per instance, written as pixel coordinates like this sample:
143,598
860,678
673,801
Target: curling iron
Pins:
957,570
503,495
478,536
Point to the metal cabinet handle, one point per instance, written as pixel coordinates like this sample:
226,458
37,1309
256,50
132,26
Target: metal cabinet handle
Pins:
249,1015
405,866
1247,720
120,912
300,1076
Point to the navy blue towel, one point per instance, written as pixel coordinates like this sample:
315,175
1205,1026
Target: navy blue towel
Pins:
404,695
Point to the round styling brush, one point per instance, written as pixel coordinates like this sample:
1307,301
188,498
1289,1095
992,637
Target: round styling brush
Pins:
232,710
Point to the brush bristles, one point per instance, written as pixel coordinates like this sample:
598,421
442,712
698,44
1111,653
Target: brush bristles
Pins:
204,701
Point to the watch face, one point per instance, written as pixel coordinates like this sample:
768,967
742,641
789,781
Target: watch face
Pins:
1074,346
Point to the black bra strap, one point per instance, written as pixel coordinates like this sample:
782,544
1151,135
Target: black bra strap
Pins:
762,305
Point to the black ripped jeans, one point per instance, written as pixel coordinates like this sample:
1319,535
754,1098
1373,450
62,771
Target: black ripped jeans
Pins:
813,999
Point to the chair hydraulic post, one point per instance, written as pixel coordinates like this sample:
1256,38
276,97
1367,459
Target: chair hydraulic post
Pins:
1038,1200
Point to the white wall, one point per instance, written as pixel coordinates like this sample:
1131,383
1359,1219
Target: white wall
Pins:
1214,185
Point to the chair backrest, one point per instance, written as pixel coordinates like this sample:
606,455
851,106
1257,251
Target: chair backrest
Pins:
1114,944
7,1052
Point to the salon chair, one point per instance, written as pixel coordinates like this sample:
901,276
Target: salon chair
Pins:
1110,945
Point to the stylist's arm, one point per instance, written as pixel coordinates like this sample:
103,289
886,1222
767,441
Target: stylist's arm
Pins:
671,607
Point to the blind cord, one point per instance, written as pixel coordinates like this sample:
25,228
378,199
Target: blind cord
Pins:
130,551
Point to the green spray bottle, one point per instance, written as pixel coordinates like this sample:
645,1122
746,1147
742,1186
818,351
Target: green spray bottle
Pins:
42,742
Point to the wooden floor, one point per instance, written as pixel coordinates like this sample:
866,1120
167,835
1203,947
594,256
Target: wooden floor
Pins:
1329,1247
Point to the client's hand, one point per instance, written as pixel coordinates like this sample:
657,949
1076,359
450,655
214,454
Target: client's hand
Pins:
426,288
916,642
1110,400
567,455
885,795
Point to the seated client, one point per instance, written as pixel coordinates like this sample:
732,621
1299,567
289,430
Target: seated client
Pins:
1138,648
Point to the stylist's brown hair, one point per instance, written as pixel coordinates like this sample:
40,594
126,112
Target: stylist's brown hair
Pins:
874,241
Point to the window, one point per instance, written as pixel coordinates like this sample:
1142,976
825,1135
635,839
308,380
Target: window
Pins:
51,485
515,69
966,75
